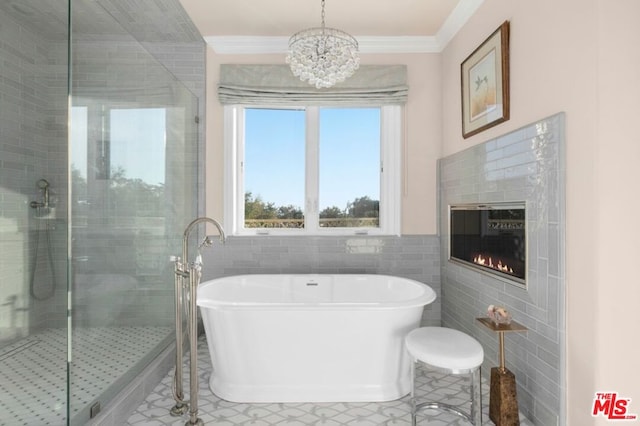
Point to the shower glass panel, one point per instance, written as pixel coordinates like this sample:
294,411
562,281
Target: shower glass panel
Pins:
98,178
33,199
133,173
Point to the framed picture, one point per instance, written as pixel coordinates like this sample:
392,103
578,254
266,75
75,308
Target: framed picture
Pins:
485,84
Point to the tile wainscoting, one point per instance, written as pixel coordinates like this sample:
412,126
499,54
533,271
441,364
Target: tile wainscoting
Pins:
410,256
524,165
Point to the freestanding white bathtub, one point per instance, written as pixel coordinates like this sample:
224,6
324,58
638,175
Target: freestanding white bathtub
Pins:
310,338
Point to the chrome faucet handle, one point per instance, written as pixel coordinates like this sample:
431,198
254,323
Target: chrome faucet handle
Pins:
196,265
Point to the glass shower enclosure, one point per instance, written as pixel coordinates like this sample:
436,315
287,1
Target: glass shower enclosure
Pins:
99,174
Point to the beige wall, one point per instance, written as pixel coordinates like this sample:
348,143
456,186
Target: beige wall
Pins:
421,147
617,176
580,57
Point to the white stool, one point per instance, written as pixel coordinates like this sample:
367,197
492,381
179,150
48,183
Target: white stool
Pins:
447,351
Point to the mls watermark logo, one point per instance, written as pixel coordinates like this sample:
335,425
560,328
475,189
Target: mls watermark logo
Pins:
610,406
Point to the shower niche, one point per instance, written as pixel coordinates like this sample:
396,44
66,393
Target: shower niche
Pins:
490,238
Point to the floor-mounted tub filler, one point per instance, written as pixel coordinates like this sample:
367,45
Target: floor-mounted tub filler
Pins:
310,338
187,278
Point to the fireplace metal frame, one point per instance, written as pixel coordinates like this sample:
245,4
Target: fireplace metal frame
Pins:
510,279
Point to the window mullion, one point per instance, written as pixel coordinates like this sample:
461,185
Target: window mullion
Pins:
238,161
390,183
233,154
311,214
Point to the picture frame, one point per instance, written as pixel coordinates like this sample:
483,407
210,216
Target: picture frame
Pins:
485,84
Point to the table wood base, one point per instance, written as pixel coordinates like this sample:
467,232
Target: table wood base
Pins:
503,403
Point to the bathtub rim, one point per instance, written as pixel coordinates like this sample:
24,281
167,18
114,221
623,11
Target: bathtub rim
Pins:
427,297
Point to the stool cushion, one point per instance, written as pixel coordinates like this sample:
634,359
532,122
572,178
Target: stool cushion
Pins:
444,348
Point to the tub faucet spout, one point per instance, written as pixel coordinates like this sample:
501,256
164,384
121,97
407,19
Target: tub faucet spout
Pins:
206,242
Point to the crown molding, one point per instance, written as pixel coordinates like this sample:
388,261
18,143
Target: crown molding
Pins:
252,45
463,11
248,45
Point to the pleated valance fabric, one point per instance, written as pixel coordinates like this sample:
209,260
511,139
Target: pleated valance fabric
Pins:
276,85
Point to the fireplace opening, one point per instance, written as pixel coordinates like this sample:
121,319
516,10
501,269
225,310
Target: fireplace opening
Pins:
490,238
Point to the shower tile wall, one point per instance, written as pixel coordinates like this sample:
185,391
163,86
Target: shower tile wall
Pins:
107,283
525,165
127,69
130,255
165,30
33,132
410,256
32,146
186,60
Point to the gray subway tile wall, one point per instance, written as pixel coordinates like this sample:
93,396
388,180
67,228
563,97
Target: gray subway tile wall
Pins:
524,165
410,256
33,138
34,117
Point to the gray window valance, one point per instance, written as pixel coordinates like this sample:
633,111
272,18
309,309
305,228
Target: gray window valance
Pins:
276,85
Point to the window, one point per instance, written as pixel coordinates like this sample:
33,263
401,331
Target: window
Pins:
312,170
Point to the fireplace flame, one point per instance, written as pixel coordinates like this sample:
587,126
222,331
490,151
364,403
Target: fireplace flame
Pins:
488,262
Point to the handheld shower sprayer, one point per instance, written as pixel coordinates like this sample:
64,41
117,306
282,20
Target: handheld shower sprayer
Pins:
43,185
43,210
206,242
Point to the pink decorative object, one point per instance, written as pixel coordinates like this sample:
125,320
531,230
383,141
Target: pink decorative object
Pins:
499,315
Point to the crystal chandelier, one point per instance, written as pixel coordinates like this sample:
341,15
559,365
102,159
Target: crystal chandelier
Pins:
323,56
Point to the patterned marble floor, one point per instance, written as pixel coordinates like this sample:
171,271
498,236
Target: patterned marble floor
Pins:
214,411
33,371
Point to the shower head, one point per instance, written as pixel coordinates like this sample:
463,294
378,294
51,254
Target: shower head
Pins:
43,184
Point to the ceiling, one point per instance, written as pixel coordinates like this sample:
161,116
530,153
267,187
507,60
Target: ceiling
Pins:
254,26
234,24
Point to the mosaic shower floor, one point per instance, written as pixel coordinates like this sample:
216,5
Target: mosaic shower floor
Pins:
33,370
214,411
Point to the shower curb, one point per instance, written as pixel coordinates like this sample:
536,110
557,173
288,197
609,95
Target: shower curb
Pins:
118,410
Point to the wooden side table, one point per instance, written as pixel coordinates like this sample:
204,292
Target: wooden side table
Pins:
503,403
